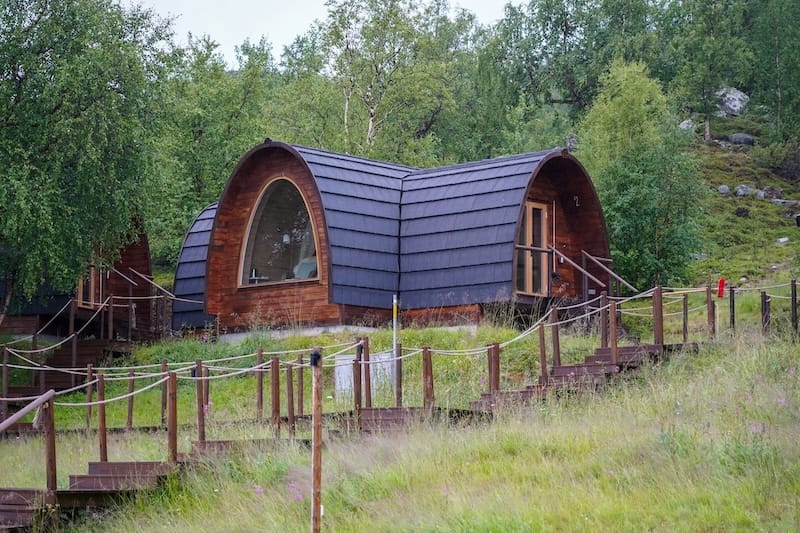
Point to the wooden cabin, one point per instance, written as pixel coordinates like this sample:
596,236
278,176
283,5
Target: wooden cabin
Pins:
303,236
126,280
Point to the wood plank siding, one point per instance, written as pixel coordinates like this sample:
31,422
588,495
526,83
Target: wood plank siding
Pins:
291,302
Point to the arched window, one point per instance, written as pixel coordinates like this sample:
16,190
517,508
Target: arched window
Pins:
280,244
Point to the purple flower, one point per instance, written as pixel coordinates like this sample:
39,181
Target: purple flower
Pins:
445,490
790,371
483,381
298,497
259,490
756,428
781,401
291,486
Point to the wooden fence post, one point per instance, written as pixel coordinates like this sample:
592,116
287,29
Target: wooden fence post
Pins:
101,418
131,387
300,385
74,364
172,417
612,332
201,414
50,450
316,442
164,392
490,368
427,379
4,391
603,320
260,386
794,309
710,312
543,376
290,400
658,319
496,366
398,375
357,391
131,313
275,386
367,374
110,317
554,333
765,313
685,316
89,395
732,307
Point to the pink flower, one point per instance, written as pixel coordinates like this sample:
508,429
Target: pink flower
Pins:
790,371
298,497
756,428
781,401
259,490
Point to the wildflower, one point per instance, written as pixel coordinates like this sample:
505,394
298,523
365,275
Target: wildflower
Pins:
259,490
756,428
781,401
790,371
291,486
445,490
483,380
298,497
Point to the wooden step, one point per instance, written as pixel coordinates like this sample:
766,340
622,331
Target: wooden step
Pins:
131,469
112,482
390,418
18,507
584,369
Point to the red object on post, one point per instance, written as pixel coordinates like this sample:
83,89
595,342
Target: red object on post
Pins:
721,288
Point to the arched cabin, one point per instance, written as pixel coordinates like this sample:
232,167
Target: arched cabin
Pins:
305,236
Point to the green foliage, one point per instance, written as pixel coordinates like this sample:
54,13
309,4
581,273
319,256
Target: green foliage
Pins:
645,178
79,97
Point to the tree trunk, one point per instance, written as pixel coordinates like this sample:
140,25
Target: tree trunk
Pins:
707,128
9,287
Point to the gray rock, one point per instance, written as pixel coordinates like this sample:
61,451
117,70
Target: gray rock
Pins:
742,138
783,240
732,102
724,189
687,124
743,190
760,195
773,193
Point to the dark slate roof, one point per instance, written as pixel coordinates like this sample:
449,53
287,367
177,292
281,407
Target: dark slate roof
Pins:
190,276
458,227
361,199
458,230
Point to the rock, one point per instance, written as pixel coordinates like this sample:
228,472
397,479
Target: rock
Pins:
744,279
742,212
760,195
724,189
699,257
743,190
571,142
742,138
732,102
773,193
687,124
783,240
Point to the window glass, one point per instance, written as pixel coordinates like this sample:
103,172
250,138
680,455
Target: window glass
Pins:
280,245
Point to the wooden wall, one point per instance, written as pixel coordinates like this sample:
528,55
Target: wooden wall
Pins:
579,222
305,302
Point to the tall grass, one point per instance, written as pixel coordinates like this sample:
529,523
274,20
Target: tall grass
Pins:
705,441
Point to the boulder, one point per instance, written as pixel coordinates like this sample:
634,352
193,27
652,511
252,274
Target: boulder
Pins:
743,190
687,124
724,189
742,138
732,102
773,193
742,212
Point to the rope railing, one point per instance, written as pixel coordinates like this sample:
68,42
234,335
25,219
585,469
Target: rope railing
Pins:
114,399
41,329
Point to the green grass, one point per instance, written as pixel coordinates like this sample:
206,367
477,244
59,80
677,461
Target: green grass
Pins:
704,442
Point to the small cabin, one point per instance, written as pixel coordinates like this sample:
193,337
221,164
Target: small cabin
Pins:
128,280
302,236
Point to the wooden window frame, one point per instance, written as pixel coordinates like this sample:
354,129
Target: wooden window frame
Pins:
248,230
544,233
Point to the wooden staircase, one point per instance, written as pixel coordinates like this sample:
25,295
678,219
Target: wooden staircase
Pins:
593,374
106,482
